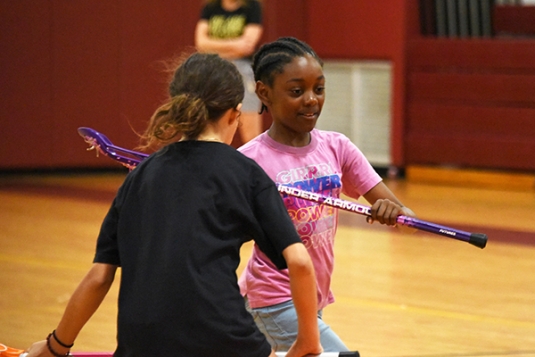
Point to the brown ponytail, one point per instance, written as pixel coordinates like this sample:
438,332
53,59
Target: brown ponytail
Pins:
203,88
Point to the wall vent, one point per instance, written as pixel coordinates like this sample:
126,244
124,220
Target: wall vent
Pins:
358,104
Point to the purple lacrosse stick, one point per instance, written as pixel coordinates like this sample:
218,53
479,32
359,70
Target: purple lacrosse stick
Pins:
131,158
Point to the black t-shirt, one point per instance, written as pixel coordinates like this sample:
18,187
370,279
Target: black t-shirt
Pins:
176,227
230,24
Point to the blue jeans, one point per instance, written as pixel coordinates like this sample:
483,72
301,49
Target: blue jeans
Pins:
279,324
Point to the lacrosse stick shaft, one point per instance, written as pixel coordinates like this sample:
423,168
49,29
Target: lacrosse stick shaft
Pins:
476,239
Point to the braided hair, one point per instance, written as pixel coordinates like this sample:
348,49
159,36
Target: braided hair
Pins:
271,58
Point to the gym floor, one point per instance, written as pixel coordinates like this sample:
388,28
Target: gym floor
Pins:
396,294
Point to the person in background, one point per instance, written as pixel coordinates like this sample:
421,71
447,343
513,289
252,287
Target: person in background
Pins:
232,29
291,85
175,229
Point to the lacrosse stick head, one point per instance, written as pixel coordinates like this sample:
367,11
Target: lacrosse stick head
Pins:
100,142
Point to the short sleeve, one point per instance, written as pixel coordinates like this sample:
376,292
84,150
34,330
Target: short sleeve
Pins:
205,13
107,246
358,175
254,13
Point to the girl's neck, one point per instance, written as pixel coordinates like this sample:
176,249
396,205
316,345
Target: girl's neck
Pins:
289,138
231,5
210,133
209,138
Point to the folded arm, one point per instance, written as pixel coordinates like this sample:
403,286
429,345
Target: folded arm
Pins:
234,48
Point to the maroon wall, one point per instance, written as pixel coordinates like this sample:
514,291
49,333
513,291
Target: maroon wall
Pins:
471,103
340,29
88,63
26,75
514,20
66,64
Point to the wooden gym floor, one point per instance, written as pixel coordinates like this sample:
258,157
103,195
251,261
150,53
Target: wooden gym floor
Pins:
397,295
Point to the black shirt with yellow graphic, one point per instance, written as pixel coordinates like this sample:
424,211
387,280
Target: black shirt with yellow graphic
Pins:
223,24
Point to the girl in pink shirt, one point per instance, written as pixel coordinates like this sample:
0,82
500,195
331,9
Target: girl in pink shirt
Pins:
291,86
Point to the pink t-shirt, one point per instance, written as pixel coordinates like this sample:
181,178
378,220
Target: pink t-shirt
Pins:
330,164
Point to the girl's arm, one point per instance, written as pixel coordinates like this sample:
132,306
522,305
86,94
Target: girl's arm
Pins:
82,305
386,207
303,286
238,47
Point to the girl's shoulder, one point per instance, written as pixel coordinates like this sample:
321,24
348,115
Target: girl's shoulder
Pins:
252,3
337,143
329,136
254,144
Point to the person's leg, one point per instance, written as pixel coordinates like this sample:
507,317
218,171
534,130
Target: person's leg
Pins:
251,123
279,324
329,339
